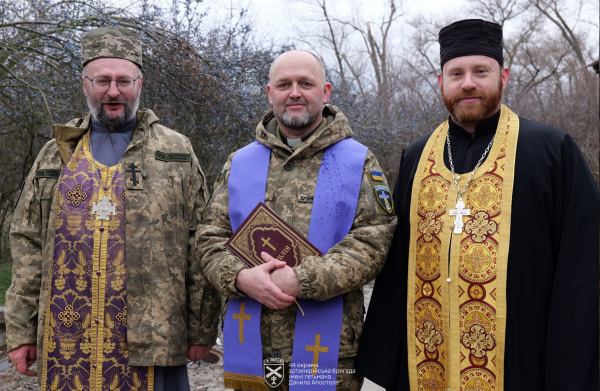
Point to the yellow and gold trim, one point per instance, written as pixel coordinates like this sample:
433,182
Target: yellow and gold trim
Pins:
245,382
456,307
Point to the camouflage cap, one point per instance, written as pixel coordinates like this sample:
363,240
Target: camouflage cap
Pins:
111,42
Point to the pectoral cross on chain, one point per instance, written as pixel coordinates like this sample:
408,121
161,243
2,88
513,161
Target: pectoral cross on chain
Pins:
459,212
103,208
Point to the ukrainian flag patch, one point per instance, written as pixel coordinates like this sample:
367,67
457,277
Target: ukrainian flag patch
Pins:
377,176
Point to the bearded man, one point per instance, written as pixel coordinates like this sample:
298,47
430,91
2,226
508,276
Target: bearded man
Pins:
305,166
106,292
491,282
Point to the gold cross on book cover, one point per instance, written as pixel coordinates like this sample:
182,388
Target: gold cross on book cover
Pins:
264,230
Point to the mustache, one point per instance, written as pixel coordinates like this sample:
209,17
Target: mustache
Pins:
113,100
296,101
465,96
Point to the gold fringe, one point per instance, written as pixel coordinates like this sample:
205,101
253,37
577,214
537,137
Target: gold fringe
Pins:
246,382
150,378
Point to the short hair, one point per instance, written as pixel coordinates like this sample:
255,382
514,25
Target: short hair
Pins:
319,62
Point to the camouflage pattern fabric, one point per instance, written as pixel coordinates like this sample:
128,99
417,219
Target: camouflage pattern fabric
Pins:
112,42
170,303
347,266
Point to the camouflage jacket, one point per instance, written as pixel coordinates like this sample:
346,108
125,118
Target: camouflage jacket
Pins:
161,220
346,267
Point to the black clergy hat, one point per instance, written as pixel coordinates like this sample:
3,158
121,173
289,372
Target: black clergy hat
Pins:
471,37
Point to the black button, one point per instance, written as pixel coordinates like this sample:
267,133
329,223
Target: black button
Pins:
289,166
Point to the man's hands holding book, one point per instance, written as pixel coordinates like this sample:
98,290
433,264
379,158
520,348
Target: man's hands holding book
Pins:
273,283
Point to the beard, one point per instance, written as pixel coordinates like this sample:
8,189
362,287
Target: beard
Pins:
297,122
100,115
473,113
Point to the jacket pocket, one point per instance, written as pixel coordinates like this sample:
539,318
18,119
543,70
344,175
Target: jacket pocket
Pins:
47,188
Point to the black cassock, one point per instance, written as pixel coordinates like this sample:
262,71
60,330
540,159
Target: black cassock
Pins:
553,274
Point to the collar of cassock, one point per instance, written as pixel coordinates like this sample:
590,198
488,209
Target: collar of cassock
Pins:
101,128
484,128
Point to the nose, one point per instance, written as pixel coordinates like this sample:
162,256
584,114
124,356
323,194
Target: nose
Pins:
468,82
113,91
295,91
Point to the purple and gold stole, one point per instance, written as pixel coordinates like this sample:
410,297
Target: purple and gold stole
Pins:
317,334
85,336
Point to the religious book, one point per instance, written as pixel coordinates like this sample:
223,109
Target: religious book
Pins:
264,230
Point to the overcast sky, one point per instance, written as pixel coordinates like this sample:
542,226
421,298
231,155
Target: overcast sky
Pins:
276,20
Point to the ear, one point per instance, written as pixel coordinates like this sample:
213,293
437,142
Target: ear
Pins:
85,92
141,82
269,94
440,79
326,92
505,74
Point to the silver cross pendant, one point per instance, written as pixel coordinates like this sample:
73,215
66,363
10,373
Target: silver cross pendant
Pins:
103,208
459,212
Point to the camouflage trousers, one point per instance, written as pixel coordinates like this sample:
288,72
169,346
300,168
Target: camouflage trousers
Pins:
347,379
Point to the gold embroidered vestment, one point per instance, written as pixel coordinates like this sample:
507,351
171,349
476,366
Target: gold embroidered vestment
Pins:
85,337
456,308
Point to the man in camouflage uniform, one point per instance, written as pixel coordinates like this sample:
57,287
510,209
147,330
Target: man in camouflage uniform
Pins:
298,128
147,305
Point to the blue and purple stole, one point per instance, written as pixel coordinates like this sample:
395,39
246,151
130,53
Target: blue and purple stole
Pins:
317,334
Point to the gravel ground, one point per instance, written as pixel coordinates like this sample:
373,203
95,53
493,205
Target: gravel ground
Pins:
203,377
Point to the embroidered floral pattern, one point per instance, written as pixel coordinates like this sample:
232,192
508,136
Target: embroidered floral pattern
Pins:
429,336
480,226
76,196
430,226
478,340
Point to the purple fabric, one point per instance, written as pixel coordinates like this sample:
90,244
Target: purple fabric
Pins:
334,208
249,170
247,185
336,194
72,341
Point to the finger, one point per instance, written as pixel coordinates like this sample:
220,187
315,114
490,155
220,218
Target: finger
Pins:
31,352
276,294
270,265
266,257
272,262
22,365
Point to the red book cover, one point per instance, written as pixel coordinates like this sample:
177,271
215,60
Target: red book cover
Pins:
264,230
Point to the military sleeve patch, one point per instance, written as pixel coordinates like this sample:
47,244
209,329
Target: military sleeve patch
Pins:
47,173
305,198
377,176
384,198
173,157
133,175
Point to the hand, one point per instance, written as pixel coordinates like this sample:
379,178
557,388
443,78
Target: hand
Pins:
22,358
256,283
285,278
197,352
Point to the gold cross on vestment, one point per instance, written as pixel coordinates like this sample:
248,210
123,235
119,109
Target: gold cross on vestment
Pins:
484,196
266,243
432,383
242,317
316,349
